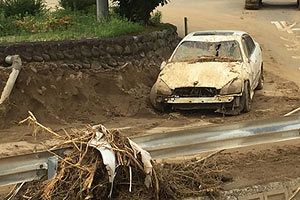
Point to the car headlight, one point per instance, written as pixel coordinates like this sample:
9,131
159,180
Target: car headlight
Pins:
159,90
162,88
233,87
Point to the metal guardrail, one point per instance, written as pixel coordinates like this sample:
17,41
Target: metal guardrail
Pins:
30,167
194,141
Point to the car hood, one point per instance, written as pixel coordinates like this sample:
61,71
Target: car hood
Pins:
201,74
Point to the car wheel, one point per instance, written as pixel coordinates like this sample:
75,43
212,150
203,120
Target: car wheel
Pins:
252,4
261,81
246,98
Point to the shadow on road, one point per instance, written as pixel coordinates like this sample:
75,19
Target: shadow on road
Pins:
279,6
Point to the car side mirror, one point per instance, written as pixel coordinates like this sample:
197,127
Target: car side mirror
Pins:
163,64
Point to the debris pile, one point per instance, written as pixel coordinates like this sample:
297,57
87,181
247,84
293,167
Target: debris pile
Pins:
98,164
104,164
192,178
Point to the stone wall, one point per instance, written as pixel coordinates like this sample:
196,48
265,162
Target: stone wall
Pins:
148,48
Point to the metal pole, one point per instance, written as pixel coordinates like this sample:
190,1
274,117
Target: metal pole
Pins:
102,9
185,26
16,67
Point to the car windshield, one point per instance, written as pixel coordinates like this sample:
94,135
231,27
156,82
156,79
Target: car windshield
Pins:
198,51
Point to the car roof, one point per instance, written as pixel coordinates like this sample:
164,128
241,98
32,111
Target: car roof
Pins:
214,35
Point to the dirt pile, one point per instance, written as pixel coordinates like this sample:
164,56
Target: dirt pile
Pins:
60,94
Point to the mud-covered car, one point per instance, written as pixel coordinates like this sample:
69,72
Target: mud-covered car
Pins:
217,70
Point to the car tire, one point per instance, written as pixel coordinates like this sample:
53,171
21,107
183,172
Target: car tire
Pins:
261,81
246,98
252,4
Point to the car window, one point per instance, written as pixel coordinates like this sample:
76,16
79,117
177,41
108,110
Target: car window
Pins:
249,44
207,51
245,47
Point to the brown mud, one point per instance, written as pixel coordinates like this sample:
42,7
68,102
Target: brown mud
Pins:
63,97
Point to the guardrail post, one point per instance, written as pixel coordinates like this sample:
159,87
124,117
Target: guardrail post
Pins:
52,166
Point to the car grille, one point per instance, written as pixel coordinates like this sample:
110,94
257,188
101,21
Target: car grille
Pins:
196,92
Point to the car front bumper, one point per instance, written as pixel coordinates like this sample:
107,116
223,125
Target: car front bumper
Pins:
219,102
199,100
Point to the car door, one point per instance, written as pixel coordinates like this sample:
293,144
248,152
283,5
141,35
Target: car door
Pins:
249,67
254,59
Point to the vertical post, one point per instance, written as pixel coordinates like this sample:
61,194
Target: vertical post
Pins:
185,26
52,166
16,67
102,9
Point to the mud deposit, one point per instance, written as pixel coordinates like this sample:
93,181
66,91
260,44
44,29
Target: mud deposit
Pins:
61,95
259,167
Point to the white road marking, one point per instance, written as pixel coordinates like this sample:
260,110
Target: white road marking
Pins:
292,49
277,24
284,26
283,38
290,28
291,46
